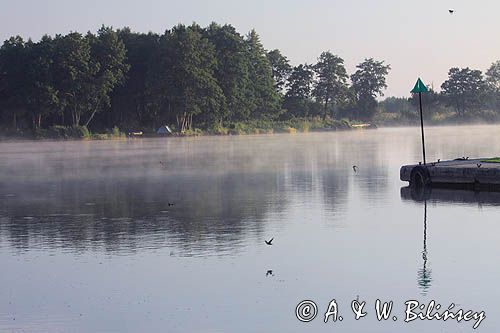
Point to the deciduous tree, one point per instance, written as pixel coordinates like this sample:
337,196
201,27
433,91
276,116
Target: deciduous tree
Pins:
331,85
368,82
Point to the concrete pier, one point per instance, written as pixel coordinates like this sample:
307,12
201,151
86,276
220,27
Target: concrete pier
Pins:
471,173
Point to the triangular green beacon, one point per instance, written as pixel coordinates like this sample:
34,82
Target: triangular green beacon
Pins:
419,87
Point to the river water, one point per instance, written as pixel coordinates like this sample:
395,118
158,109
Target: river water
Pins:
167,235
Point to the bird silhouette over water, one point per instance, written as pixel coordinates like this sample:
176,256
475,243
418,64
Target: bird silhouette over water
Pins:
269,242
355,168
439,160
478,165
171,204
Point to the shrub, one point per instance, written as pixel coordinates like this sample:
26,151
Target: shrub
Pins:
218,129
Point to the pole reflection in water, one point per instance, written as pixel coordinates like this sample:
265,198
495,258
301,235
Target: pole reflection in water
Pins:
424,274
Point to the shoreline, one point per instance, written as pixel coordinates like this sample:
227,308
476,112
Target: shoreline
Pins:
62,133
199,133
105,137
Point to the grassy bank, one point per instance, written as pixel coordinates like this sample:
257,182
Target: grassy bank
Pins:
443,116
62,133
285,126
298,125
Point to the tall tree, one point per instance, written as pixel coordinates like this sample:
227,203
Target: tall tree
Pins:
493,76
73,73
298,96
183,79
41,95
281,69
231,72
464,90
331,85
265,96
493,82
368,82
108,54
13,79
129,101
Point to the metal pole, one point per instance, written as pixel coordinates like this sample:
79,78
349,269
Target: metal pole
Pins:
422,124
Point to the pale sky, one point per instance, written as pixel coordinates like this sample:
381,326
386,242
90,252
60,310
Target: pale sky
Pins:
417,38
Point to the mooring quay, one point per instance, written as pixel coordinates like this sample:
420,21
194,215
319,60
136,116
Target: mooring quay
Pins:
461,172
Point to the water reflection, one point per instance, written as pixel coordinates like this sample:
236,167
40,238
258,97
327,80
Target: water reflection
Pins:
125,214
443,196
424,274
449,195
88,224
211,213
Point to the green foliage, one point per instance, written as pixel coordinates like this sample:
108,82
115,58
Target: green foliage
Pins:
208,80
297,101
265,98
182,81
109,54
368,82
232,72
288,126
13,80
331,87
129,106
464,90
62,132
281,69
491,160
218,129
190,77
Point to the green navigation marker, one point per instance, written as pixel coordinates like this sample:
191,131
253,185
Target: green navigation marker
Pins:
419,87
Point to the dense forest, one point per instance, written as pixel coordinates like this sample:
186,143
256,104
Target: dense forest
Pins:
212,79
189,77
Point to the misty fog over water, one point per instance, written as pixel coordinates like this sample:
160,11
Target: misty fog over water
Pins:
168,234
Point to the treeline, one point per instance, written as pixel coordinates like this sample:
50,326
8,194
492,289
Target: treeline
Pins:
189,77
467,95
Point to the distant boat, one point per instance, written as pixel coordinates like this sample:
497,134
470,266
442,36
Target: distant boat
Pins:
164,130
139,133
364,126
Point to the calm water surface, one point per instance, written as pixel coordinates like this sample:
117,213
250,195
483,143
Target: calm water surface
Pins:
89,242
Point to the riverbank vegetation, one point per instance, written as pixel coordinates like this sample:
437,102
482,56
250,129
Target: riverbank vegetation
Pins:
210,80
467,96
196,80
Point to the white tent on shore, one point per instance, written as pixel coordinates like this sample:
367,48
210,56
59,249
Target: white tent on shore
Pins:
164,130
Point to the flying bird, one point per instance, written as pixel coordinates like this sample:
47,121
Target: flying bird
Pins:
269,242
355,168
269,272
451,11
171,204
478,165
